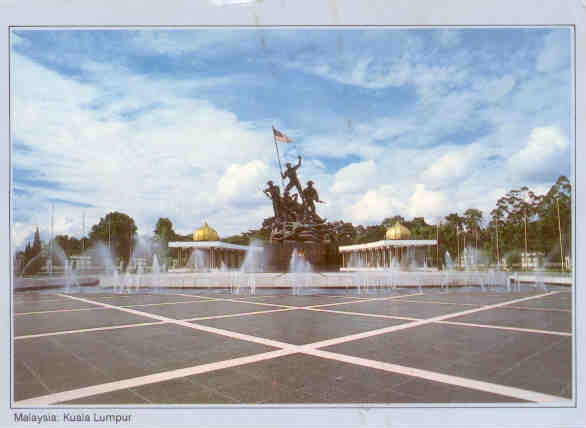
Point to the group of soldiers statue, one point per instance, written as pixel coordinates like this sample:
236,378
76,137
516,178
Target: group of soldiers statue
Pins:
296,207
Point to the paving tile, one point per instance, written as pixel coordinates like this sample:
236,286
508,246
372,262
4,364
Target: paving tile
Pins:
53,370
479,353
77,360
62,321
539,320
51,306
307,379
530,361
548,370
26,383
137,299
300,301
476,298
204,309
424,391
36,297
403,309
300,326
124,396
556,301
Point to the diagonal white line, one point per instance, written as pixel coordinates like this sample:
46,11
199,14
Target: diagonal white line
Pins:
356,336
227,299
194,326
311,306
501,327
528,308
148,379
241,314
478,385
310,349
57,311
464,324
363,314
439,302
374,299
121,306
85,330
37,301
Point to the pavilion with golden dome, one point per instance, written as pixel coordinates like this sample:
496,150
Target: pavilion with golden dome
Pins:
380,254
215,254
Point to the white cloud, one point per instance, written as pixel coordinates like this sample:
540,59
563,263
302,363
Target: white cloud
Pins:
149,146
555,52
544,156
180,41
453,165
354,177
240,181
375,205
166,161
495,89
427,203
449,37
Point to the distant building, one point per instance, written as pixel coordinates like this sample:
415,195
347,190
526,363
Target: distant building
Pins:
397,249
212,254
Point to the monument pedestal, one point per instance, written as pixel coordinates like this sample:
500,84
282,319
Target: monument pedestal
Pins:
321,256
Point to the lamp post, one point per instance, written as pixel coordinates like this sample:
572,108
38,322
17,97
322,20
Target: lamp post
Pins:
560,233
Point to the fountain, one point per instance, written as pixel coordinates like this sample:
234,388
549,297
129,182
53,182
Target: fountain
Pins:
301,252
299,273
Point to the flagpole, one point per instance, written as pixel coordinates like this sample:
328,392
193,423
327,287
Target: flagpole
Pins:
278,158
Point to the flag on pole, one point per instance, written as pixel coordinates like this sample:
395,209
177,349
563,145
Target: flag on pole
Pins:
279,136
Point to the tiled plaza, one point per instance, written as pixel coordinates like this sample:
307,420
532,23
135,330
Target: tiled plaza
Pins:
201,347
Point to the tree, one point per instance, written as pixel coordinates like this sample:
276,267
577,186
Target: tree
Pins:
163,234
554,219
370,234
389,221
36,248
164,230
472,224
69,244
116,230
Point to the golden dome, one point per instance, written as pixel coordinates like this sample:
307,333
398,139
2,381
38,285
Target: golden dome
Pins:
205,233
397,231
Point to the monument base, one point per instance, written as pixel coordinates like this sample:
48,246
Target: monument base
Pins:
323,257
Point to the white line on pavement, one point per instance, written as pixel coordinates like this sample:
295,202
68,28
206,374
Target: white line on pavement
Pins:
85,330
501,327
310,349
440,377
194,326
385,330
75,394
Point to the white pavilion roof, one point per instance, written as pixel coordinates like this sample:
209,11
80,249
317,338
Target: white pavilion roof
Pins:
388,243
209,244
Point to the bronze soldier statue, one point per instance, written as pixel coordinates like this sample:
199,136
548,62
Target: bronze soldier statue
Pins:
292,210
274,193
291,174
309,197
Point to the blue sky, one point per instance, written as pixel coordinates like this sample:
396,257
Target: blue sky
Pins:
177,123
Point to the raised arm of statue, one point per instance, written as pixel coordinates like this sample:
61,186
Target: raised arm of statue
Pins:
298,163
